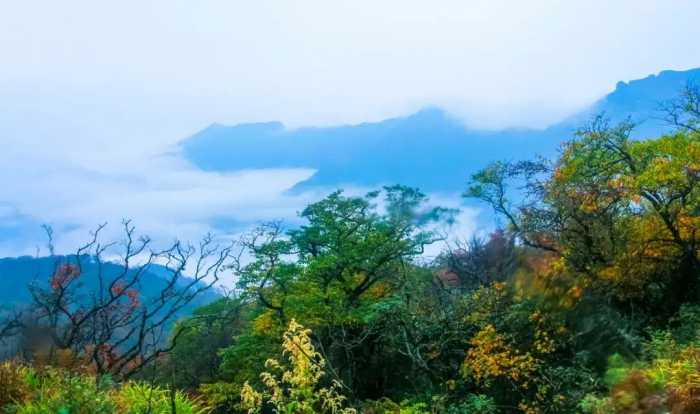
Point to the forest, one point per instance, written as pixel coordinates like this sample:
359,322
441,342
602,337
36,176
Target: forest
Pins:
586,299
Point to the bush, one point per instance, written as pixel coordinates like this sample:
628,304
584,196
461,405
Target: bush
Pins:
381,406
25,390
474,404
59,392
137,398
594,404
294,387
13,387
223,397
669,381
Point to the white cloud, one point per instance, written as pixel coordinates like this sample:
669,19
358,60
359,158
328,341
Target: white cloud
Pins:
165,197
91,92
181,64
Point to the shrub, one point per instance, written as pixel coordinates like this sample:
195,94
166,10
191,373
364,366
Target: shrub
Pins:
294,387
137,398
412,407
594,404
54,391
223,397
381,406
668,382
13,387
474,404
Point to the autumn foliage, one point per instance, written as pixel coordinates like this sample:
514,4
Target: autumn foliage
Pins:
585,300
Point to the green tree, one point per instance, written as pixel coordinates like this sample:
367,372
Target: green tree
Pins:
339,272
195,357
623,214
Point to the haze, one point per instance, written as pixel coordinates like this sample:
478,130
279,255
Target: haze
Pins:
92,94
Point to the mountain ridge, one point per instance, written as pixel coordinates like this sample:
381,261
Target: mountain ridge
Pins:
429,149
17,273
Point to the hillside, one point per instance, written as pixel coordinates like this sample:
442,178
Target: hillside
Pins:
17,273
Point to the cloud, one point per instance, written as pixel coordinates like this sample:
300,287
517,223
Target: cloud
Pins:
92,94
182,64
165,197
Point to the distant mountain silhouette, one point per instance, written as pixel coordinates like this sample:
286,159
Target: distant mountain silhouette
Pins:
429,149
17,273
640,99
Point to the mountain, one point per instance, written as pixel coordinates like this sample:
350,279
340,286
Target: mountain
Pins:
17,273
429,149
640,99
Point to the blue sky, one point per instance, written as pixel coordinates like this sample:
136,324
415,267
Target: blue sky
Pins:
92,94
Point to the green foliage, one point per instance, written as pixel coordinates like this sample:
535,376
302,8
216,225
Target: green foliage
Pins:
617,370
408,407
587,302
342,273
611,236
196,357
474,404
593,404
621,213
138,398
223,397
666,380
381,406
295,387
245,358
52,391
13,384
686,325
387,406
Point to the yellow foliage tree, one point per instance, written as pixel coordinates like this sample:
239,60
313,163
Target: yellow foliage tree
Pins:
492,357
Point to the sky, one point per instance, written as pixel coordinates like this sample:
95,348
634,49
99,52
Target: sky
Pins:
94,95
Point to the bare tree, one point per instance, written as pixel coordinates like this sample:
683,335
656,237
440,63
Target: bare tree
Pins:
477,262
684,111
103,316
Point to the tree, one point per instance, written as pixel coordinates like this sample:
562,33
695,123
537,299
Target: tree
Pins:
683,112
621,213
335,271
478,262
119,321
609,236
195,358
